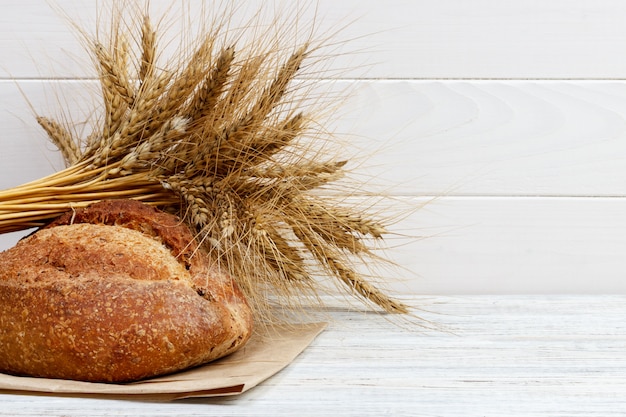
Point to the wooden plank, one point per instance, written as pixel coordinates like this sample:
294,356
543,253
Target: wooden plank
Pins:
26,152
397,39
498,357
503,245
497,138
552,138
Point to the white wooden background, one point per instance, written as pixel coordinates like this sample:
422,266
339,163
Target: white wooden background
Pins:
508,117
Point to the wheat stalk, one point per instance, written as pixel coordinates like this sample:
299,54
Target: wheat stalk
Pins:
218,140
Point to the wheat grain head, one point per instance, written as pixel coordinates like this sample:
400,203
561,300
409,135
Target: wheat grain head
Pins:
226,129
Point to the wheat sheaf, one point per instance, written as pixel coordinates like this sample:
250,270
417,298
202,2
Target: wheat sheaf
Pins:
218,137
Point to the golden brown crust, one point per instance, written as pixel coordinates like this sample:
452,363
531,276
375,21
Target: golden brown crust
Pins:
99,301
135,215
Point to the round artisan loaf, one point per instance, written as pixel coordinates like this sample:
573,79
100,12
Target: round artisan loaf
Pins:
115,292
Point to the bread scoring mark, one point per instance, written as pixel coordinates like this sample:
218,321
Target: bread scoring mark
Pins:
64,319
83,249
162,227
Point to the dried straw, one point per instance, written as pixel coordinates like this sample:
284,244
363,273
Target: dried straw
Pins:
217,139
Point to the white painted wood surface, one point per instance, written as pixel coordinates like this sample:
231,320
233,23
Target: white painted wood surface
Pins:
526,177
414,138
509,119
398,39
533,245
501,356
532,173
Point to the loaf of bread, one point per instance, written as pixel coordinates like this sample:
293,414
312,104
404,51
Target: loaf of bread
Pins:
115,292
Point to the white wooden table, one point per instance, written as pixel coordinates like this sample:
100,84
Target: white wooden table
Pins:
500,356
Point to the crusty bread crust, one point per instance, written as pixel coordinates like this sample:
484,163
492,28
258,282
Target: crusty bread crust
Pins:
116,292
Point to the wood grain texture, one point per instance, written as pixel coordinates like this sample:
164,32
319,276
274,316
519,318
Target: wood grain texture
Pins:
531,198
557,356
504,245
489,245
398,40
528,174
491,138
408,138
527,177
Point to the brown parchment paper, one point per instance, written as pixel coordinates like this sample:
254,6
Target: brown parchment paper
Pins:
263,356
